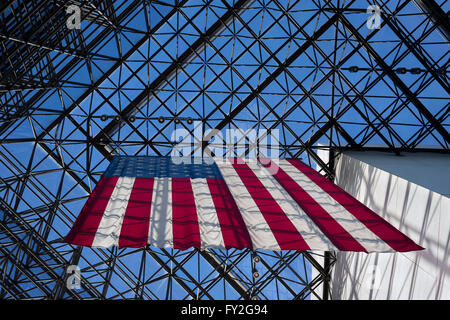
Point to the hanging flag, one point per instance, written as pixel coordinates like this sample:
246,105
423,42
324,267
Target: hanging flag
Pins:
228,203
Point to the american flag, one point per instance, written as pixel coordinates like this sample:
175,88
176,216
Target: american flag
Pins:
228,203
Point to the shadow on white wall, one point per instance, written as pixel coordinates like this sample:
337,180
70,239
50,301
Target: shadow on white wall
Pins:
422,214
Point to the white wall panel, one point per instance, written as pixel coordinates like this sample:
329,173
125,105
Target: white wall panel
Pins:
413,198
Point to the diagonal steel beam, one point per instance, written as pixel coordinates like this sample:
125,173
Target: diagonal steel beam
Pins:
104,136
396,79
272,77
437,15
171,271
232,280
107,73
228,118
35,256
6,4
392,22
307,94
65,69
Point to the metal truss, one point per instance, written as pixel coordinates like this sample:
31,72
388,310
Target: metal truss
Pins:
137,70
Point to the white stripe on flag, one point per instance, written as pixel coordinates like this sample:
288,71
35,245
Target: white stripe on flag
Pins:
160,228
369,240
260,232
208,222
108,231
312,235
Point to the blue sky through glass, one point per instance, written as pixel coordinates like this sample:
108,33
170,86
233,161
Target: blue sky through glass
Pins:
213,82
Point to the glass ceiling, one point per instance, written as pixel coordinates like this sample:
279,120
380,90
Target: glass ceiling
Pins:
136,71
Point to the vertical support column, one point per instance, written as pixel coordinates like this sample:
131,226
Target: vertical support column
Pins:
326,281
327,255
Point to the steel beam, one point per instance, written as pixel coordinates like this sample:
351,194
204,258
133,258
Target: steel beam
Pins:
67,67
35,255
437,15
228,118
108,72
233,281
391,21
396,80
105,135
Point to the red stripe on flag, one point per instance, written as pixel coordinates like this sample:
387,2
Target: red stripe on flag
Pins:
232,225
186,231
134,232
85,227
389,234
330,227
283,229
